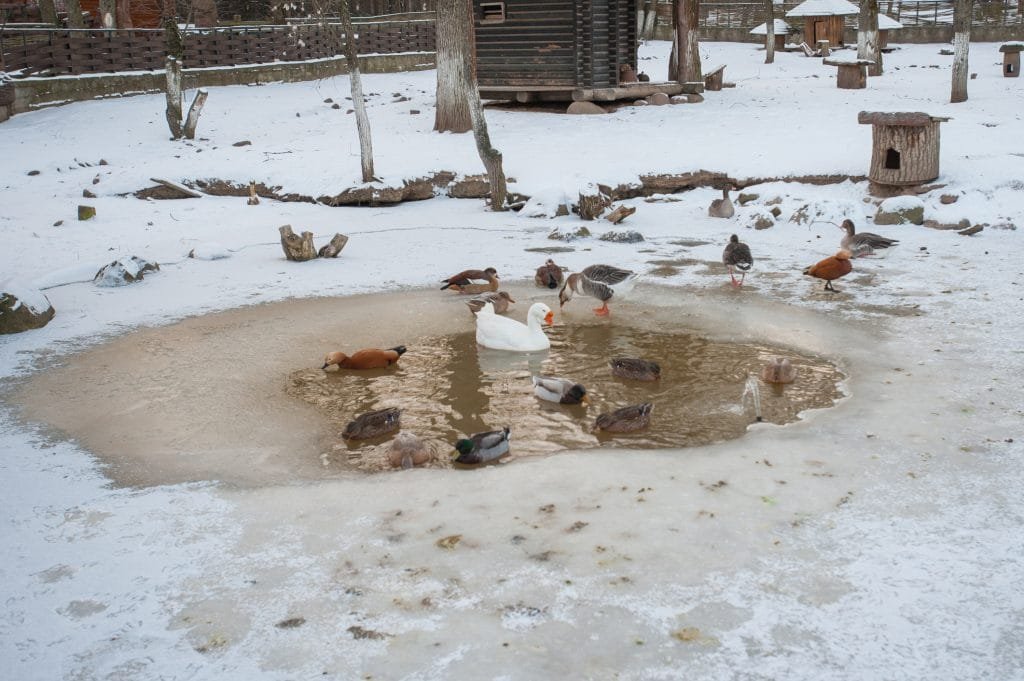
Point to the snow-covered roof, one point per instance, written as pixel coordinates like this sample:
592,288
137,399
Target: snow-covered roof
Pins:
822,8
887,23
781,28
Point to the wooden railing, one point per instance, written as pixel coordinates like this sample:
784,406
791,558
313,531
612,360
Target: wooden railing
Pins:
33,52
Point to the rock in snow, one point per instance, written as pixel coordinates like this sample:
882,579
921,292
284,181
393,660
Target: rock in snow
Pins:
124,271
23,307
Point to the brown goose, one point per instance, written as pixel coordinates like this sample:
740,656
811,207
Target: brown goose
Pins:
864,243
722,208
499,299
549,275
737,256
625,420
597,281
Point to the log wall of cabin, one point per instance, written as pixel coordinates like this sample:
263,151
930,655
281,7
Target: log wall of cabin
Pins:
533,46
823,28
556,43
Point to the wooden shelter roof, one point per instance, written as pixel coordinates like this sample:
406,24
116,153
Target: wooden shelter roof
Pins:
781,28
823,8
899,118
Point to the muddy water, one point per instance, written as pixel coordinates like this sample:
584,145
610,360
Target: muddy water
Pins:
238,396
447,386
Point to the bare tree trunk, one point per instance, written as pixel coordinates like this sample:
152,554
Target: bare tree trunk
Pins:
174,45
687,41
205,12
650,19
461,19
124,14
769,39
867,36
48,12
454,55
193,114
75,14
673,55
358,103
173,112
961,46
108,13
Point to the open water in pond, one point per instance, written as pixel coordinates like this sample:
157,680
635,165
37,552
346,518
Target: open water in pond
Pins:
448,387
239,396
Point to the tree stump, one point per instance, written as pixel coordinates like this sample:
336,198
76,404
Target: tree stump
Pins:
254,200
592,205
297,248
332,249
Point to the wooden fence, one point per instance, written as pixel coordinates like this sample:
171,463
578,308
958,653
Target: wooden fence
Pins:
35,52
745,14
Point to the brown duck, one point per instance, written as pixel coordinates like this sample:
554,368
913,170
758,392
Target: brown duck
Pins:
373,424
467,277
549,275
371,358
625,420
499,299
635,369
831,268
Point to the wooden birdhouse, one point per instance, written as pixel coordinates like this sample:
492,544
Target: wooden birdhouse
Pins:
1011,59
905,147
823,20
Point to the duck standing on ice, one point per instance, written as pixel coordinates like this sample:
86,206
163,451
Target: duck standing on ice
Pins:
737,256
863,243
602,282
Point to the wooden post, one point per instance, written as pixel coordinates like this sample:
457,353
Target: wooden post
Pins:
295,247
173,91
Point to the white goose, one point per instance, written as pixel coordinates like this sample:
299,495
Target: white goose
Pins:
502,333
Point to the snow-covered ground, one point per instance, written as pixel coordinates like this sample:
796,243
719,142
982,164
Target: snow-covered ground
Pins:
881,539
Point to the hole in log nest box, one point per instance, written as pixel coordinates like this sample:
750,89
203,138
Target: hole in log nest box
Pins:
892,159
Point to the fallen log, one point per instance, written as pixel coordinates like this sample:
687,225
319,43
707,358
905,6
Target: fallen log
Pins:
332,249
620,214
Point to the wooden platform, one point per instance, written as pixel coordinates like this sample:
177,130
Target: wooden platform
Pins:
609,94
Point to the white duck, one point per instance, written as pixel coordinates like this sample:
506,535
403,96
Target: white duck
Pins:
502,333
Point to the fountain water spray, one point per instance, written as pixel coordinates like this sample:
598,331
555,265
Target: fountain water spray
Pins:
752,389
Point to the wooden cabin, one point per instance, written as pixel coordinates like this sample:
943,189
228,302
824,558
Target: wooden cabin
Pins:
553,50
823,20
905,147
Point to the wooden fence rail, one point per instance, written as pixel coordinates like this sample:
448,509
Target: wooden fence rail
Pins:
50,52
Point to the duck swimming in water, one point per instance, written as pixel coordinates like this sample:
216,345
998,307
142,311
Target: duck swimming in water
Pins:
597,281
779,370
560,390
373,424
625,420
483,447
863,243
635,369
502,333
371,358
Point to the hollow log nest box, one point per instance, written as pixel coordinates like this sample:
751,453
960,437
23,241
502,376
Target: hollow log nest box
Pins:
1011,59
905,147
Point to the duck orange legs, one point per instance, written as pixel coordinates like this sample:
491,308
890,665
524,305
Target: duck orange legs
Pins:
736,284
602,311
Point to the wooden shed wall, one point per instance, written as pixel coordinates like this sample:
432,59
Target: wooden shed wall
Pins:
534,46
550,44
